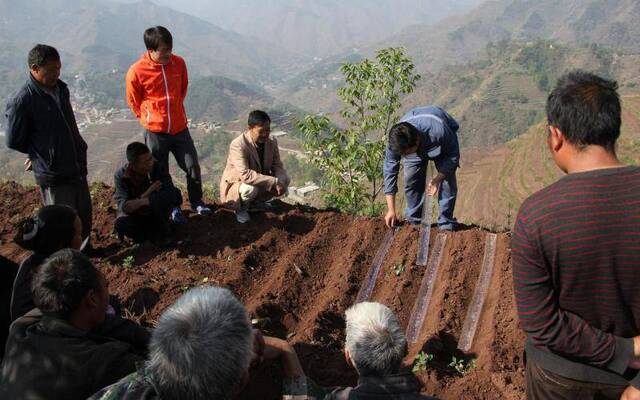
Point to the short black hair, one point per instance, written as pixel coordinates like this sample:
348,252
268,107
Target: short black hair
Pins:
156,35
257,117
49,230
402,136
41,54
586,108
135,150
62,281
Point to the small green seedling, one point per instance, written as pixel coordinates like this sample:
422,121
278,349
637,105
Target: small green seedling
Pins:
128,262
185,288
421,361
399,269
461,366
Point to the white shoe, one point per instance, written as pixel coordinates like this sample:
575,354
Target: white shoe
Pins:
242,216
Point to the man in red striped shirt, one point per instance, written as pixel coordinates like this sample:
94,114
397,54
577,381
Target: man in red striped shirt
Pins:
576,254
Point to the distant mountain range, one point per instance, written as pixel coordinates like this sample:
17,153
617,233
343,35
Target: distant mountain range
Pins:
320,28
102,35
611,23
493,66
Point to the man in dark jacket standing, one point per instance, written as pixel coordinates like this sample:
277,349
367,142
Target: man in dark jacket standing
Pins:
41,123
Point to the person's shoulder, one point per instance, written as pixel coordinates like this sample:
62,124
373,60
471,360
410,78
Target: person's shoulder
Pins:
137,65
20,325
122,167
133,386
121,170
22,95
239,141
179,60
110,352
538,202
274,141
633,171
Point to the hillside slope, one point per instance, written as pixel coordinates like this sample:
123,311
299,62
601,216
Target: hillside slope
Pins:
495,98
493,183
611,23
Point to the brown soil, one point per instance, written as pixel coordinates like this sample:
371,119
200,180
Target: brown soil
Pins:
297,271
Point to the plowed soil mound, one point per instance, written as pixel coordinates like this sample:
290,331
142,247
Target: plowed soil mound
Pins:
297,270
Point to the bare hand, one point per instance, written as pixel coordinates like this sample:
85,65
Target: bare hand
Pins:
280,189
278,349
258,348
391,219
27,165
630,393
634,363
155,186
434,186
274,348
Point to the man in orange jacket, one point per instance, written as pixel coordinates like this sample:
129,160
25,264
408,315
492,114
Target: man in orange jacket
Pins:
156,89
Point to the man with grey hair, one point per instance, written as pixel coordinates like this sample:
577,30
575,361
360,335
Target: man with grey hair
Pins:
202,348
375,346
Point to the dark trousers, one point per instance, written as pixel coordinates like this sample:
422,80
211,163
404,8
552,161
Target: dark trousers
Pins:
182,147
152,223
415,179
545,385
140,228
75,195
7,274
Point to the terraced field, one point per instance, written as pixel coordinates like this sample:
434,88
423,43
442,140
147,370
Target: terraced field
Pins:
494,183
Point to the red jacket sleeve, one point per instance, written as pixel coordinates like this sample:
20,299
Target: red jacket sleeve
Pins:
134,91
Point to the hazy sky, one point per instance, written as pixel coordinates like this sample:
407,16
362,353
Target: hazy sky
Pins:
320,27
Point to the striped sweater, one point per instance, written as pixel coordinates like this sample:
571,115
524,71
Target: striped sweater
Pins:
576,271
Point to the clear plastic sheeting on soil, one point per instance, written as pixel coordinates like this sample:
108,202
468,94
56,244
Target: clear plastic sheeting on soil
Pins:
425,228
479,294
425,233
426,290
374,271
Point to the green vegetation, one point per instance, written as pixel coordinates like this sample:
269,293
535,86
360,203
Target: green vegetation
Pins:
128,262
462,366
221,99
421,361
214,147
300,170
398,269
351,158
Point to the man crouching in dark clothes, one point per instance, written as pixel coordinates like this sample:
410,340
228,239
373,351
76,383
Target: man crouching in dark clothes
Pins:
145,196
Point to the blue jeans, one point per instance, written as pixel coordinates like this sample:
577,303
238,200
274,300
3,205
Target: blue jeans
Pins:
415,180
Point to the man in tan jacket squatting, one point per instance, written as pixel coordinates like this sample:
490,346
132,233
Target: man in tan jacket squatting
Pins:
254,173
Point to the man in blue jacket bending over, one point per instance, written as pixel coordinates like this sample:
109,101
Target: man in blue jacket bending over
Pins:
423,134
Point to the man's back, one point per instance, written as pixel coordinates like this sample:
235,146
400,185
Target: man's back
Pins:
47,358
576,268
586,228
